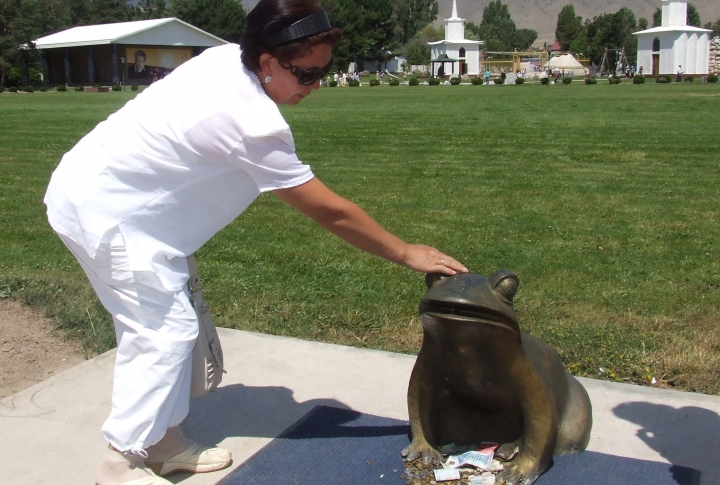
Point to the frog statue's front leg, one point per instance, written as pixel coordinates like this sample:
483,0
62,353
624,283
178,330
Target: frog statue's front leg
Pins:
539,434
420,405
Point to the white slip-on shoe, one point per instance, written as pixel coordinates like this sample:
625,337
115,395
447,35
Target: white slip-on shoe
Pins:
195,459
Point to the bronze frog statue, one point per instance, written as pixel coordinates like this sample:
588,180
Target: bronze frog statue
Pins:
479,378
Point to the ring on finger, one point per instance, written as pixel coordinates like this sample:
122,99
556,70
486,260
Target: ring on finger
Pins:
442,261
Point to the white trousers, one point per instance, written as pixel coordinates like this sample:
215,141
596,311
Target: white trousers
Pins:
156,331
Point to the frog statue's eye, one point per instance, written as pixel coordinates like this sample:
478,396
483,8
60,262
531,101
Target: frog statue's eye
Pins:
431,279
505,284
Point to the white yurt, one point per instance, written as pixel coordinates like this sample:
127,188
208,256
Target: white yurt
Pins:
567,62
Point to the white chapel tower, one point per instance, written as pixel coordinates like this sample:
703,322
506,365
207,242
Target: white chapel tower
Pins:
661,50
455,55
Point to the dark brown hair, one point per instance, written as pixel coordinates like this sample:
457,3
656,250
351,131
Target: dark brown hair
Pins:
270,17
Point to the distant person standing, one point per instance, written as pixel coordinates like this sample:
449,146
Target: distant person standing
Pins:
679,74
487,76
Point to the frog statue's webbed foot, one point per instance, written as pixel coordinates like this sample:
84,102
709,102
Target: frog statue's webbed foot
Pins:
520,471
519,468
421,448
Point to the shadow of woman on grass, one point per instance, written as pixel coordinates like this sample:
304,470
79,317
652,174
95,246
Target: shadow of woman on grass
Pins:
686,437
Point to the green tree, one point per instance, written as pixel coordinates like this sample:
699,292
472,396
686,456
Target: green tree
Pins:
80,12
693,16
568,27
715,27
368,29
524,38
107,11
497,28
379,28
221,18
614,31
580,44
472,31
21,22
417,51
409,16
148,9
657,17
642,23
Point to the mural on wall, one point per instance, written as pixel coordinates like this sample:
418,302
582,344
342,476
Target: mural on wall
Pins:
148,63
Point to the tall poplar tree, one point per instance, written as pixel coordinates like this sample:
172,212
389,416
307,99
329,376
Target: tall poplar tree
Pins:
568,27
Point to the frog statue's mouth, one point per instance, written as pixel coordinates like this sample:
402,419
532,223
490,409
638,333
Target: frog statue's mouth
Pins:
450,310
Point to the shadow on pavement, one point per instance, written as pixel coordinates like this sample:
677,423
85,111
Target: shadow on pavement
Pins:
688,436
245,411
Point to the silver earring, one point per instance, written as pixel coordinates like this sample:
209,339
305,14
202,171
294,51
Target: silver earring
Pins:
268,79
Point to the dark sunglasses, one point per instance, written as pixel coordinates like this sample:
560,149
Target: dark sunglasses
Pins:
306,77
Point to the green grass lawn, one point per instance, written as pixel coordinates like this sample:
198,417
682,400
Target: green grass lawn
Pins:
602,199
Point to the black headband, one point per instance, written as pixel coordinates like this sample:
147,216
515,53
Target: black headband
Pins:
310,25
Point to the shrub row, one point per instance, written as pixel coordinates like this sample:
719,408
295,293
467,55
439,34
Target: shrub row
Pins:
663,80
590,80
638,79
520,80
394,82
566,80
434,81
63,87
712,78
414,81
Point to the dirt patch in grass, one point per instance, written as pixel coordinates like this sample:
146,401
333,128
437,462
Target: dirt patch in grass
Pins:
30,350
689,358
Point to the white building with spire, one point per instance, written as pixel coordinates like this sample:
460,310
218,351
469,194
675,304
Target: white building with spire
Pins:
674,45
456,55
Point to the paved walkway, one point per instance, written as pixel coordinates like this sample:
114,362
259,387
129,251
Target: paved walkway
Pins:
50,433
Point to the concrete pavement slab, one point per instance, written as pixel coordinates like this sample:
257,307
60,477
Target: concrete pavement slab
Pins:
51,431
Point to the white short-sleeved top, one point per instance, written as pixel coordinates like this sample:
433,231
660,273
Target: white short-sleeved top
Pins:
175,165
